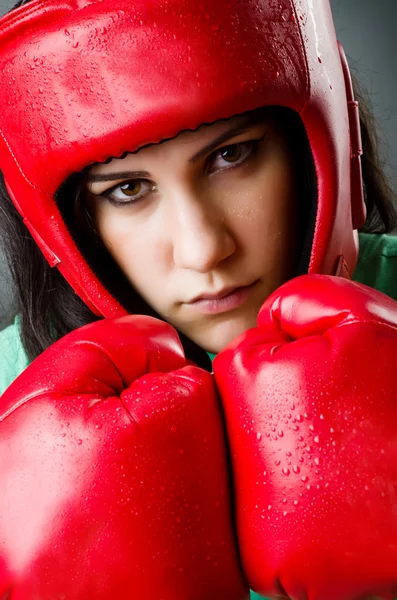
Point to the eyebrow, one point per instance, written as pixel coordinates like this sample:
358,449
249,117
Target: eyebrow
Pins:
238,129
94,178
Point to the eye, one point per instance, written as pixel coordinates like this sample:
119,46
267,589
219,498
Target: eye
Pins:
232,156
129,192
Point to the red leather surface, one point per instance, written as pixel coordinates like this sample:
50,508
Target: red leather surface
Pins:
114,477
310,403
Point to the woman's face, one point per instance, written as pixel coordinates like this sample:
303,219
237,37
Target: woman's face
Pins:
203,225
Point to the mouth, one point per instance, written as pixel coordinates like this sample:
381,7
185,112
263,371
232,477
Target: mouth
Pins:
225,300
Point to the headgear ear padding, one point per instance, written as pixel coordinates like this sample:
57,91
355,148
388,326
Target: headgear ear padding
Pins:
87,80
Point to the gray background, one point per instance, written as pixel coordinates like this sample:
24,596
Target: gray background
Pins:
367,30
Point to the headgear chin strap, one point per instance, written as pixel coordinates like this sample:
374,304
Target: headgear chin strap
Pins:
87,80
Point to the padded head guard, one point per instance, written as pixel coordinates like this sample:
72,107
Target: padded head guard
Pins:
85,80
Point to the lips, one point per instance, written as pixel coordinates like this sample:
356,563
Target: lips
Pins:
224,301
220,294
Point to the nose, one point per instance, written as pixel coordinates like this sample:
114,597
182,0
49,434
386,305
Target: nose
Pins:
201,238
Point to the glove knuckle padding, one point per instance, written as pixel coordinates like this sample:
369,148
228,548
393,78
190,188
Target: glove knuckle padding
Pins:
332,300
103,356
311,420
114,477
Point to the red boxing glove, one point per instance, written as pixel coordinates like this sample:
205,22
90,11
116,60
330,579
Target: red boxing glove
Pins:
113,472
310,398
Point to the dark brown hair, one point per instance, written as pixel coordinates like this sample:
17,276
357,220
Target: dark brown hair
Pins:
48,306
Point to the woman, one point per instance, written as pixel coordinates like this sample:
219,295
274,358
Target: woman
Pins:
180,162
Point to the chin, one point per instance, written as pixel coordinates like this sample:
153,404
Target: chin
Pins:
219,336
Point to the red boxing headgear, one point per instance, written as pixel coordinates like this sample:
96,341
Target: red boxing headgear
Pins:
85,80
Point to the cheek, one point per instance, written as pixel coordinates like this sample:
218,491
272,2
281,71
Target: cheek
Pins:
136,247
262,211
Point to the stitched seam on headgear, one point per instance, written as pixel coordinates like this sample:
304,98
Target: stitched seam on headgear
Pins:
19,166
123,153
308,91
303,107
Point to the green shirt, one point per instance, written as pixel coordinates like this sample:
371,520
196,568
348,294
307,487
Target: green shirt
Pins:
376,267
13,359
377,264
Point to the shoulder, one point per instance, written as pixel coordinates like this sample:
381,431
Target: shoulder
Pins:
13,359
377,262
